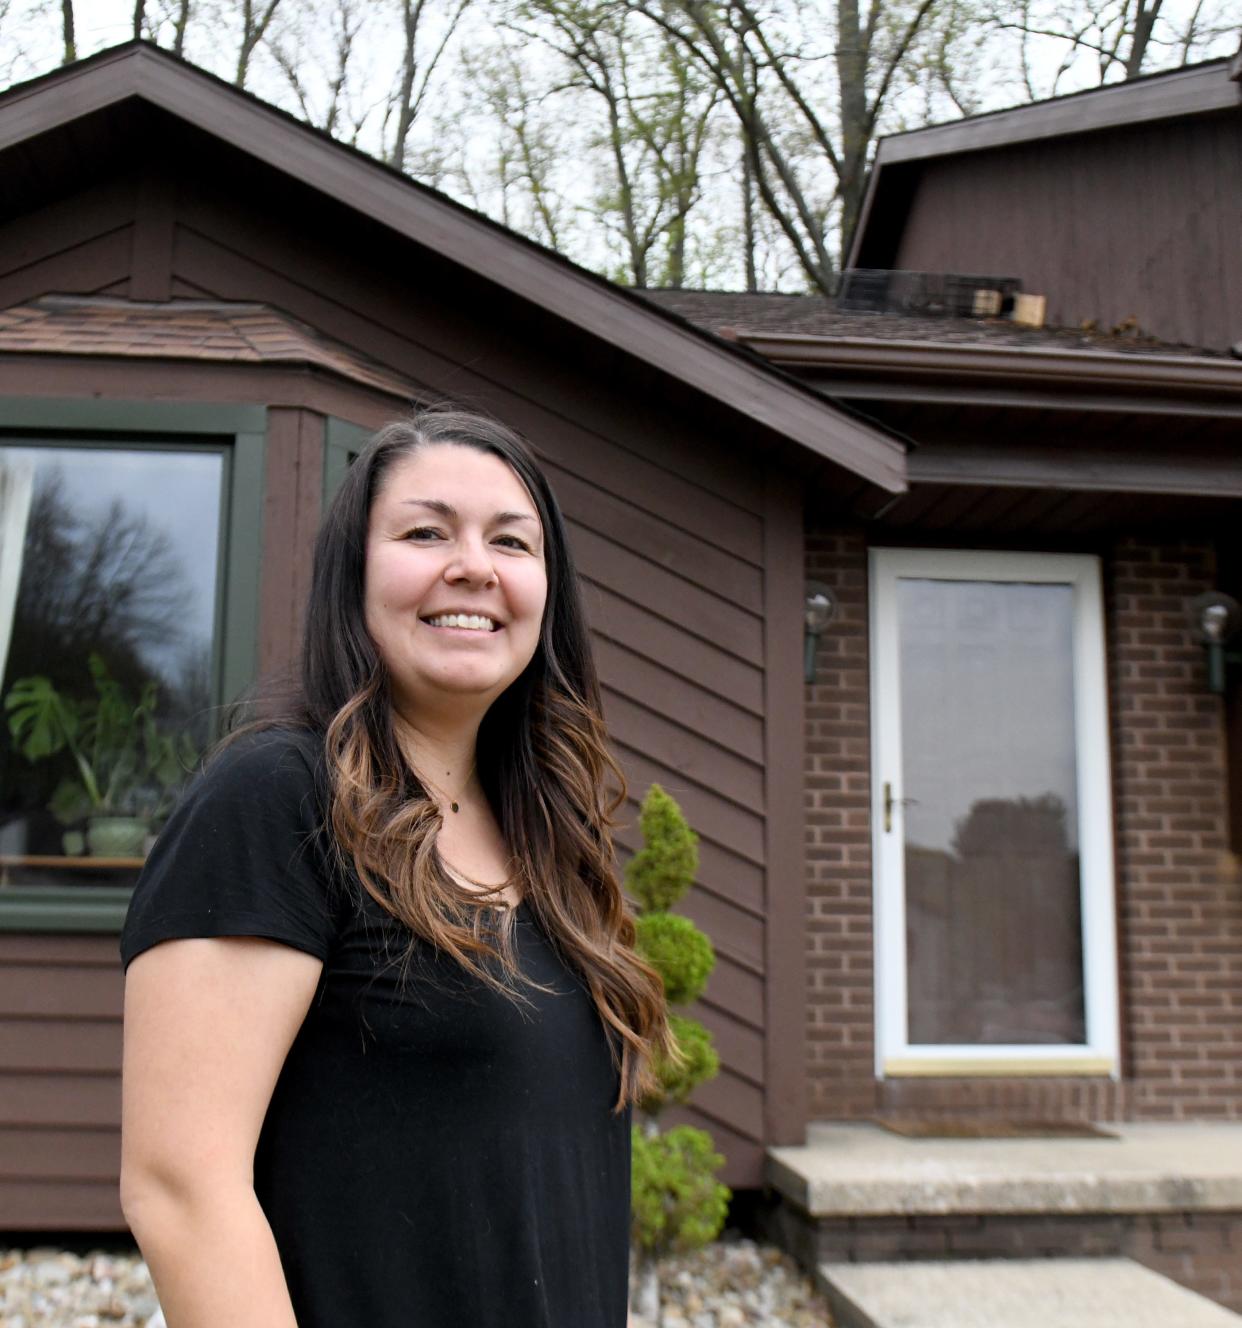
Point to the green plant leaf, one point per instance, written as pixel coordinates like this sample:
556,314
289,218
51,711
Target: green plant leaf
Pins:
677,1204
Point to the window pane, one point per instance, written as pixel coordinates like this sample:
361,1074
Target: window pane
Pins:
993,915
108,588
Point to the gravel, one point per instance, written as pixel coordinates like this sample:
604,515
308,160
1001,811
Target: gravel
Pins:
733,1283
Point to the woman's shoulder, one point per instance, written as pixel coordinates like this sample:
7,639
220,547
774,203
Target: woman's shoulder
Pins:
261,774
260,757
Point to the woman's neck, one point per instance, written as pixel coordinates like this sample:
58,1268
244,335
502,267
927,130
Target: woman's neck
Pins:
445,754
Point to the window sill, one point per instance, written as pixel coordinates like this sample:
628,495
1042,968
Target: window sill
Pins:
1016,1067
37,908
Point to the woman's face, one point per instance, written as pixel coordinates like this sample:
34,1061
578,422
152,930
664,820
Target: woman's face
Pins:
453,531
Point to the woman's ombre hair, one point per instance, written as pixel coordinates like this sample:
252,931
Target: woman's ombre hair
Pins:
542,759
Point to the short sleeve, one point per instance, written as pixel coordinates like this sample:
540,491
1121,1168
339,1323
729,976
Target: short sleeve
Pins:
242,854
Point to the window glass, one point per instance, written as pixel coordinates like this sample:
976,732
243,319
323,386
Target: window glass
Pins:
989,743
109,570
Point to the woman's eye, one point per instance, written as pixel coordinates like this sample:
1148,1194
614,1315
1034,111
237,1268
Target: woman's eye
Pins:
419,531
521,543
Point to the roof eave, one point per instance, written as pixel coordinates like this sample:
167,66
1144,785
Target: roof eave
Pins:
581,299
1085,370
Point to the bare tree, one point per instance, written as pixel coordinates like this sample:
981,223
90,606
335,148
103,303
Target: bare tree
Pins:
417,69
256,18
320,78
657,111
1108,40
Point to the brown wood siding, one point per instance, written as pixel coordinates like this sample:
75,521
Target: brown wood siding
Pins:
60,1082
1135,223
292,495
684,551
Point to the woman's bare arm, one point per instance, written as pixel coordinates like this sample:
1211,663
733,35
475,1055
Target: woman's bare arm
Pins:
208,1024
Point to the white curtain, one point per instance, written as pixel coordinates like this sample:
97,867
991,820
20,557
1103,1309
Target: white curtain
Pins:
16,489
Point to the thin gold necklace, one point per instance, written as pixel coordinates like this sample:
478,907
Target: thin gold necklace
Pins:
454,805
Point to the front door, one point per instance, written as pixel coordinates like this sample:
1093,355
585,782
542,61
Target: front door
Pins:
996,949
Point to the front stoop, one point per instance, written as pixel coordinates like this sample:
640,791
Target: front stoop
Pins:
1014,1293
1167,1196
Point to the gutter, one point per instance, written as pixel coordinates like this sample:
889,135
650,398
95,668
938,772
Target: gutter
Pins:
871,359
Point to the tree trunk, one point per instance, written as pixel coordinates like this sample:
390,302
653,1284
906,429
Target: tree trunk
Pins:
139,14
183,18
71,45
852,80
748,219
1144,21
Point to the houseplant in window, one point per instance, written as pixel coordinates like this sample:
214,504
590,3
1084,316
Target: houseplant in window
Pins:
123,767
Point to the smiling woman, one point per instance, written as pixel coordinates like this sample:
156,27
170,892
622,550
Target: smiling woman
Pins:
384,1017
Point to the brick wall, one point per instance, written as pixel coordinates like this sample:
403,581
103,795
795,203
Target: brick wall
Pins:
1179,894
1202,1251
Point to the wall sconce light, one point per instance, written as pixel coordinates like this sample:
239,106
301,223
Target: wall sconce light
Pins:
821,606
1216,618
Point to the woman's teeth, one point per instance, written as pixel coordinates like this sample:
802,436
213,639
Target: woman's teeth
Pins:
473,621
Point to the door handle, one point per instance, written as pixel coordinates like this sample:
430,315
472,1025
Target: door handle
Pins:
890,802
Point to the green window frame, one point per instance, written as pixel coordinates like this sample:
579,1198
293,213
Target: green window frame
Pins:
240,432
342,441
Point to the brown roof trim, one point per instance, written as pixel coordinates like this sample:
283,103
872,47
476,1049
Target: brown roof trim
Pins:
911,362
724,373
1198,90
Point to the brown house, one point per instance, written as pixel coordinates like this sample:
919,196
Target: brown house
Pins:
1022,761
976,863
203,305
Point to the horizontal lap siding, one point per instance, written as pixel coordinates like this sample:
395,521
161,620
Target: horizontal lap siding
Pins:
60,1086
1134,223
666,520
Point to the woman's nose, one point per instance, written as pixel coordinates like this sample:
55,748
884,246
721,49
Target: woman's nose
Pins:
472,560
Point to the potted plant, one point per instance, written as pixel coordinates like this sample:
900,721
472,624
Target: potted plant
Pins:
126,768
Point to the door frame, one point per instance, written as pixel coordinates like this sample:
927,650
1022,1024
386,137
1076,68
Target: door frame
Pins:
1100,1053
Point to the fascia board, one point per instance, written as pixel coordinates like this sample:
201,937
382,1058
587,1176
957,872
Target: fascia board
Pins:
1198,91
1079,369
384,195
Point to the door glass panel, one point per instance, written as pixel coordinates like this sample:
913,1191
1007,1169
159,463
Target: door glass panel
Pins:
993,910
108,592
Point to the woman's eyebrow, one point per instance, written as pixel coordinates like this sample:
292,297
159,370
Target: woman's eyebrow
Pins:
446,510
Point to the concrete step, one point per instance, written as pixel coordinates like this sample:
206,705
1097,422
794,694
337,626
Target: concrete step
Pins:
1014,1293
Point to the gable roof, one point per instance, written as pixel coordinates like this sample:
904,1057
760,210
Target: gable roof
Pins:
1202,89
739,380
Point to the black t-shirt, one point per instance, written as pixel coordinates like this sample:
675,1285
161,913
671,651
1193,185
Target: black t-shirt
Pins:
433,1155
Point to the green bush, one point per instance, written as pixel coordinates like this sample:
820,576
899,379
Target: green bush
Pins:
678,1082
662,871
677,1203
679,952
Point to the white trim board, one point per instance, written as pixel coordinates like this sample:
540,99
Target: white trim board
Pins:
1099,1054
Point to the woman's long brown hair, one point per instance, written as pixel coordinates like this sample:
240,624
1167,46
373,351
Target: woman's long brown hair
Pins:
542,758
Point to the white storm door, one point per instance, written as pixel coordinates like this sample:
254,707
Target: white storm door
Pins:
992,815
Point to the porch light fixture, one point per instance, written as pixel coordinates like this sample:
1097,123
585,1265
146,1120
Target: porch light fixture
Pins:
821,606
1216,618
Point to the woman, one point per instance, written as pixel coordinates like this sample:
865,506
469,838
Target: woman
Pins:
383,1016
